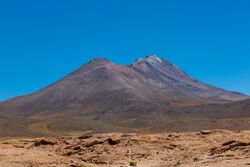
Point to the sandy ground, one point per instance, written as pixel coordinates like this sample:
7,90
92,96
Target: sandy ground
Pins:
195,149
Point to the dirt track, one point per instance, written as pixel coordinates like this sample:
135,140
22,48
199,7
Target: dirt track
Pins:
197,149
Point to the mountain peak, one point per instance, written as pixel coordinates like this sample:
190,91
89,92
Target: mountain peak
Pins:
149,59
98,62
94,63
153,58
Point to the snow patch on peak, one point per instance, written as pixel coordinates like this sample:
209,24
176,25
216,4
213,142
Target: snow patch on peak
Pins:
153,58
149,59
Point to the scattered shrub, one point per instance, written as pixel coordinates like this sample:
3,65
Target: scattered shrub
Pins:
132,163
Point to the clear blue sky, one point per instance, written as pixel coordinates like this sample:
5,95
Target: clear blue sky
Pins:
43,40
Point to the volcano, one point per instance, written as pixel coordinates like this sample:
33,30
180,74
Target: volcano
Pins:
102,96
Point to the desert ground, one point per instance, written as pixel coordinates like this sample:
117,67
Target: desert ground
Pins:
217,148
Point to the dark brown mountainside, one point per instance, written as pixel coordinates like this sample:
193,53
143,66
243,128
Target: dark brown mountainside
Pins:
103,97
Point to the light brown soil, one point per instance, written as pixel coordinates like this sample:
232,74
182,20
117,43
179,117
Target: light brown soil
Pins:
195,149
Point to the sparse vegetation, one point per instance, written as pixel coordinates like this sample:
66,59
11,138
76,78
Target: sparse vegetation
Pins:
132,163
83,166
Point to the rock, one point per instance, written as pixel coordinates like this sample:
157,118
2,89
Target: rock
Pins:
85,136
91,144
68,153
77,148
18,146
228,143
232,145
205,132
173,145
75,165
113,142
44,142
